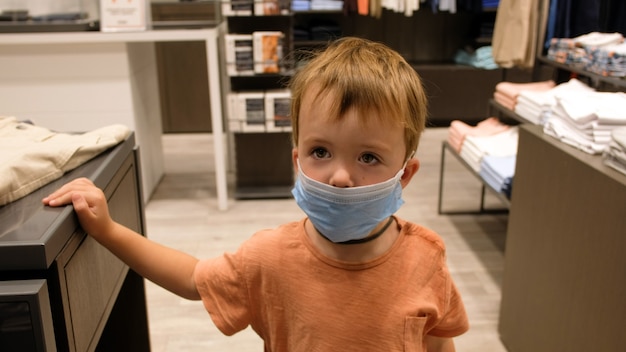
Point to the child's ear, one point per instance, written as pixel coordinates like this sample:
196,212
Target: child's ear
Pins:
411,168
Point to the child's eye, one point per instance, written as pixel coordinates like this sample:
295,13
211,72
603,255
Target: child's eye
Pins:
368,158
320,153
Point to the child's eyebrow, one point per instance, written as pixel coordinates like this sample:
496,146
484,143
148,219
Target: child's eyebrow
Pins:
384,147
314,140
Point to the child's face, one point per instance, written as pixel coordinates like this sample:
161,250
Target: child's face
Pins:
347,152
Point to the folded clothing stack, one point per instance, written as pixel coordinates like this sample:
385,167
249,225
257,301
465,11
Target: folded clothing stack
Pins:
498,172
536,105
329,5
489,148
586,120
600,53
506,93
459,130
615,154
501,144
300,5
479,58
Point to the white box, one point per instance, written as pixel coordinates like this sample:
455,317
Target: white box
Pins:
239,54
269,8
268,51
237,7
124,16
278,110
249,111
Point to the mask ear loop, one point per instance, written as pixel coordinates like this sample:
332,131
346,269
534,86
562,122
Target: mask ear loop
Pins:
411,156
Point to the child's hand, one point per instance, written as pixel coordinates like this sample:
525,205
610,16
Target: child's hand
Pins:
89,203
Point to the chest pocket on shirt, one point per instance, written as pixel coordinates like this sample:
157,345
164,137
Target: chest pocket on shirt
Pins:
414,334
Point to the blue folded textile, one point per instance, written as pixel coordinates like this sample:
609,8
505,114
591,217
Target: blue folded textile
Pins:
498,172
480,58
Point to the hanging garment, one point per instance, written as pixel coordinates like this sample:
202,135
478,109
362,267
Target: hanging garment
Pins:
516,32
363,7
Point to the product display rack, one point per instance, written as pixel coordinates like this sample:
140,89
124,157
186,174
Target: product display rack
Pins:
560,72
564,240
259,145
495,109
437,37
595,80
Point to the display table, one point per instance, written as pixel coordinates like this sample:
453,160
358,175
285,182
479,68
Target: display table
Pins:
79,81
78,295
564,271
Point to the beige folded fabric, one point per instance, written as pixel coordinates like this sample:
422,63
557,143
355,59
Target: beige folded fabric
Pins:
33,156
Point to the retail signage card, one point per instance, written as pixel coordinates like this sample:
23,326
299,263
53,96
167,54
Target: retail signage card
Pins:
123,15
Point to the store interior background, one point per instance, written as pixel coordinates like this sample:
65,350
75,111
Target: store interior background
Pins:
476,242
181,211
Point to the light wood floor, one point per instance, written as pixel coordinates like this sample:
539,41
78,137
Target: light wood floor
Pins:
182,213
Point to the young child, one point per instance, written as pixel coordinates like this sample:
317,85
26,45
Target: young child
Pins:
350,276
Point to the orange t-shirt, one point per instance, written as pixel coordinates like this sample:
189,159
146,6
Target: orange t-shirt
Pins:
297,299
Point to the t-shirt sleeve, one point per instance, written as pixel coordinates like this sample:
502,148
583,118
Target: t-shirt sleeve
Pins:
450,318
454,320
224,294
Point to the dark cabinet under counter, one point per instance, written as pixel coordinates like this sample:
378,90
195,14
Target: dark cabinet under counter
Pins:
85,298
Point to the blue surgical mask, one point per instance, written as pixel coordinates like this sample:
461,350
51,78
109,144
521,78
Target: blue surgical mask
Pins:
347,214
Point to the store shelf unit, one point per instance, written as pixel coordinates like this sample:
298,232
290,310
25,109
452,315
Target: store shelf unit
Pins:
564,72
257,67
434,41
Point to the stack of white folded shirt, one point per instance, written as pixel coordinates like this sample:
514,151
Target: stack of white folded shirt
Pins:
615,154
585,120
502,144
536,106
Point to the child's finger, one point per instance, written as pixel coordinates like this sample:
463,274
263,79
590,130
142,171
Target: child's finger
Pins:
57,199
63,195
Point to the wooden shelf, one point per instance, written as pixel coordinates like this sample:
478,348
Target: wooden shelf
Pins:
501,109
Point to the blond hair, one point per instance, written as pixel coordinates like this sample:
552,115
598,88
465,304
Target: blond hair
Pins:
365,75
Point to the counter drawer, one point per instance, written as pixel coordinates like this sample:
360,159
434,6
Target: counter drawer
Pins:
93,278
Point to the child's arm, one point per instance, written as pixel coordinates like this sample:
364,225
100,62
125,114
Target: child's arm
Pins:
439,344
167,267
